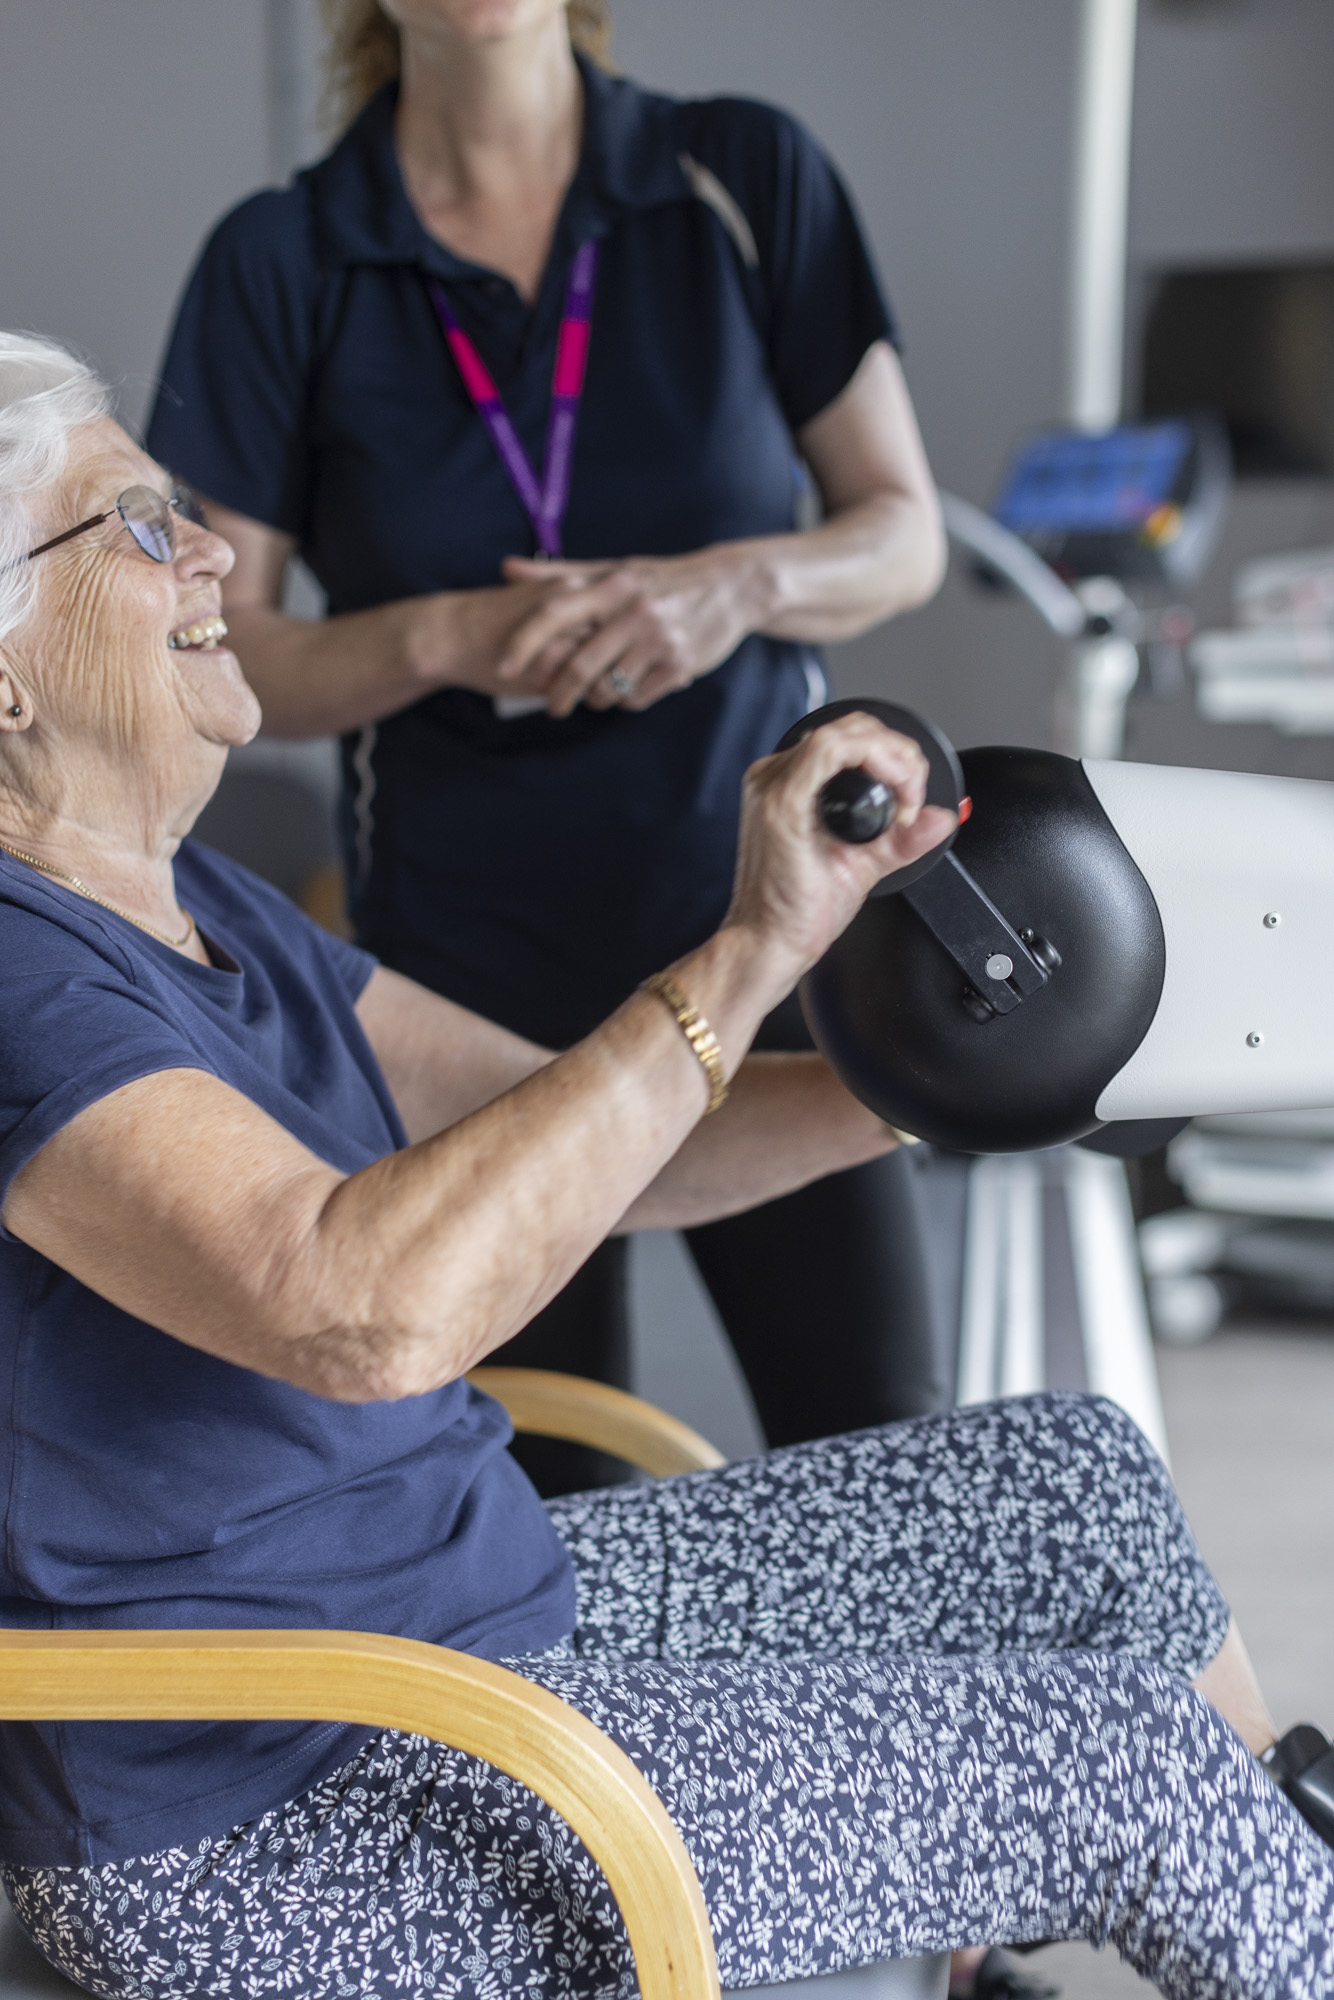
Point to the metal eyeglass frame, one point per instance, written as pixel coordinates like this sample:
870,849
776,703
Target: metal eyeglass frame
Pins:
180,500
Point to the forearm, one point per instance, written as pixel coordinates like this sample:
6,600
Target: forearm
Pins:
322,677
414,1269
883,555
319,678
787,1121
441,1062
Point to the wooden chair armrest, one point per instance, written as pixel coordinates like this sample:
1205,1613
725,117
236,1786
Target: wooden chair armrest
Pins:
591,1413
472,1705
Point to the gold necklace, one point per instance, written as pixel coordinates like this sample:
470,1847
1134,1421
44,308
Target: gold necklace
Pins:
93,897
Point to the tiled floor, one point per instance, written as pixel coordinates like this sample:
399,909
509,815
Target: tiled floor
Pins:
1250,1420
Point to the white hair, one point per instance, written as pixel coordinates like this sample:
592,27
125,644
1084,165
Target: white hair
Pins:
45,393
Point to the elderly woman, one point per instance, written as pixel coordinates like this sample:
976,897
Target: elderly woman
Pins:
264,1203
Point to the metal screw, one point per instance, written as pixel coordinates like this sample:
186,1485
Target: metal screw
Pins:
999,966
1272,920
1254,1039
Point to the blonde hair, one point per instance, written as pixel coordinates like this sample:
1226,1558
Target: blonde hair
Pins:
363,50
45,393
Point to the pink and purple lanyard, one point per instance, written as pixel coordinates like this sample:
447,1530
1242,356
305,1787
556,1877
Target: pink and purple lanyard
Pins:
544,501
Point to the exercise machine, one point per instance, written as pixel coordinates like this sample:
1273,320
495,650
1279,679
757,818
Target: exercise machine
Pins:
1098,951
1256,1231
1093,1041
1036,1249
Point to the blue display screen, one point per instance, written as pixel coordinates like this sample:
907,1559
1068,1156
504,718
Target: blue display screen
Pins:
1081,483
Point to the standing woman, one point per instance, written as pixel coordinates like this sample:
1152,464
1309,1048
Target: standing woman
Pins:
525,310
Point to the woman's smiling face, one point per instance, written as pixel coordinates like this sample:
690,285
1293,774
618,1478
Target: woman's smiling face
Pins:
119,647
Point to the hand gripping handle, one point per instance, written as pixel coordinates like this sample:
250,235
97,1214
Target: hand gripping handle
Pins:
857,808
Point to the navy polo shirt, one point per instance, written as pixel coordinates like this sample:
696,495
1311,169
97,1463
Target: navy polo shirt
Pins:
534,869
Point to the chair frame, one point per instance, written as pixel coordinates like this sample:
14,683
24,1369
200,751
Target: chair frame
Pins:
469,1704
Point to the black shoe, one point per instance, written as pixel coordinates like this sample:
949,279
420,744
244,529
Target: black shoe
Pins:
1302,1765
1001,1977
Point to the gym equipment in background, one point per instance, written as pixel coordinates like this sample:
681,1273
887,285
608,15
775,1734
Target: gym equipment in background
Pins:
1082,520
1257,1233
1140,502
1275,664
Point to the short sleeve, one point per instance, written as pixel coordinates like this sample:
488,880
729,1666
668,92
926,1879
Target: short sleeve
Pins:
231,415
353,966
818,292
73,1028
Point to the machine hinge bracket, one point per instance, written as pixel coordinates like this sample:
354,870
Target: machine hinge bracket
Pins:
1003,967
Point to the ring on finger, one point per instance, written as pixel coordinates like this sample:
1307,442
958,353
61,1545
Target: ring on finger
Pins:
620,683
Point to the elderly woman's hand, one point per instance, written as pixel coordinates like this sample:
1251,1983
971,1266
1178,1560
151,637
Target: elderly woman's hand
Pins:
797,887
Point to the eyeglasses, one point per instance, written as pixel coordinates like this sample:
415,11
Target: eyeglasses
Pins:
147,516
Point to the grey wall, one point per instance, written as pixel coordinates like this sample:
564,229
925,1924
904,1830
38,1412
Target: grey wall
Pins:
1234,144
126,126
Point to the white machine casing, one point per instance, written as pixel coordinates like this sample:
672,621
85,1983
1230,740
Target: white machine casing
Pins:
1242,870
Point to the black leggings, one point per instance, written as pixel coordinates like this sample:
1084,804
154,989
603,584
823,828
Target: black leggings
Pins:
843,1255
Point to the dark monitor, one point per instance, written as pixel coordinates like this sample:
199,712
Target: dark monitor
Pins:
1256,345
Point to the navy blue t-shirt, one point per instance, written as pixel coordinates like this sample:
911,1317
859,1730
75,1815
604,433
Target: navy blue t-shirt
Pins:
149,1484
535,870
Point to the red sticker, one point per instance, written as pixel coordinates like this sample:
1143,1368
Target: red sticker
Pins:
965,809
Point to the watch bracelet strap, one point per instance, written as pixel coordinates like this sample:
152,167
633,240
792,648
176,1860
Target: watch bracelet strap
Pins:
704,1044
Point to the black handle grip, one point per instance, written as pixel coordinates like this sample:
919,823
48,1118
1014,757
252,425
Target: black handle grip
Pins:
855,807
845,802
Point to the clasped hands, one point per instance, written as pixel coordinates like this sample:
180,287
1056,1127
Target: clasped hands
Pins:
627,632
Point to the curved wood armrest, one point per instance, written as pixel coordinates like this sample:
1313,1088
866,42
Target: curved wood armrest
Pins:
570,1406
469,1704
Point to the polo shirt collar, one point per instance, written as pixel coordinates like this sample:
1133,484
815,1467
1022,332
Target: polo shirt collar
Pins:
629,162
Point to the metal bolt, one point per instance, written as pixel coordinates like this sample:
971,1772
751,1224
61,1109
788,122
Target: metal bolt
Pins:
1272,920
999,966
1254,1039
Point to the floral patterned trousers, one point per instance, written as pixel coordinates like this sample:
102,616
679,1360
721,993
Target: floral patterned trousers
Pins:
909,1690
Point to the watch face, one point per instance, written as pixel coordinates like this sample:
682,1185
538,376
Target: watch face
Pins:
896,1020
